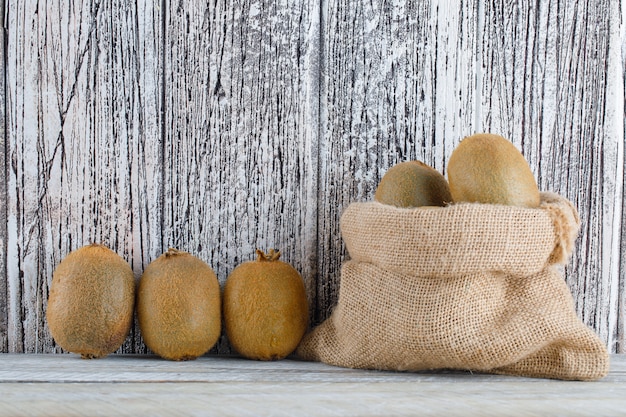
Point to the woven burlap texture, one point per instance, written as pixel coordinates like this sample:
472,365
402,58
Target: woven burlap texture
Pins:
470,286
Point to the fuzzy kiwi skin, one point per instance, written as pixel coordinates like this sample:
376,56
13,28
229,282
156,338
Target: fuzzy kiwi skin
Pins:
487,168
413,184
90,306
178,306
265,308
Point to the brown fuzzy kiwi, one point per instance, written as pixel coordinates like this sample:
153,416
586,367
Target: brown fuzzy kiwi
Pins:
265,308
90,306
413,184
178,306
487,168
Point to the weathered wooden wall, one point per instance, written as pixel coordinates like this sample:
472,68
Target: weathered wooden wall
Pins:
221,127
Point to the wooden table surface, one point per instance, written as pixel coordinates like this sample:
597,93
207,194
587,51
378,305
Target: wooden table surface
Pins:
119,385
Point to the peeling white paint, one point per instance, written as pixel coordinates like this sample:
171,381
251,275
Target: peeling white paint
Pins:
225,126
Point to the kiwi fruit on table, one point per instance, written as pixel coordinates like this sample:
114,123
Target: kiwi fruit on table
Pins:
90,306
179,306
265,308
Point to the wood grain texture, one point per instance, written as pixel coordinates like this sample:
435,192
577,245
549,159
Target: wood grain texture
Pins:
416,78
618,86
240,159
3,198
544,86
39,385
401,88
218,128
83,144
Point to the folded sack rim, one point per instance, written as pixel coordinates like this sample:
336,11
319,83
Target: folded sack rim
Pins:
436,241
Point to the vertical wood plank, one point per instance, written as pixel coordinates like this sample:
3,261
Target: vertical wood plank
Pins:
84,140
544,86
618,86
398,84
240,159
3,196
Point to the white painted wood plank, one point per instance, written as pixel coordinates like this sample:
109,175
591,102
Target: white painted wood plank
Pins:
614,142
35,385
70,368
83,133
289,399
545,85
398,84
3,201
240,160
621,319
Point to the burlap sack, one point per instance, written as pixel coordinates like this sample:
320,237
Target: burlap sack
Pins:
470,286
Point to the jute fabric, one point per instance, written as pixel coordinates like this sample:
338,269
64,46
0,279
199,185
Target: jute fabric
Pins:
469,286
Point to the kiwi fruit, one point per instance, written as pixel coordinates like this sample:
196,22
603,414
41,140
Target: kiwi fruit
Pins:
178,306
413,184
487,168
265,308
90,306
